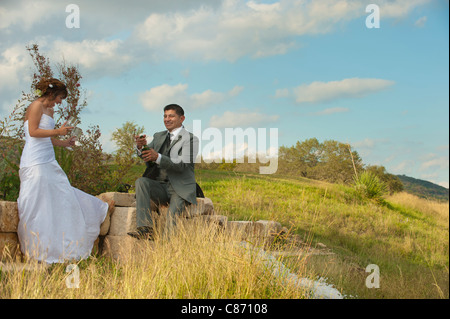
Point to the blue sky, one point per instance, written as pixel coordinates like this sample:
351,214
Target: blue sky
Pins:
307,68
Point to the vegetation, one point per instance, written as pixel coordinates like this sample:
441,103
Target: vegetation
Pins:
369,185
197,262
424,189
331,161
405,236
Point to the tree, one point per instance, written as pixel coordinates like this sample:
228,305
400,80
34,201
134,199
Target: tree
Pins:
393,182
125,141
330,161
125,155
301,158
338,163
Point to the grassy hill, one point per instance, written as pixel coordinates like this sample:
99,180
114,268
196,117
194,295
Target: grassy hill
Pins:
406,236
424,189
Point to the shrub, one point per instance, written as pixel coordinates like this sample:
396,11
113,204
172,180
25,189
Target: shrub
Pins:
370,186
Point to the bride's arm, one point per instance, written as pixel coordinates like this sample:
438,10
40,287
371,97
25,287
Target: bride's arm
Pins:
34,117
63,143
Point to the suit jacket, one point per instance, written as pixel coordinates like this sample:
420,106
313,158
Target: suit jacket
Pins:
179,164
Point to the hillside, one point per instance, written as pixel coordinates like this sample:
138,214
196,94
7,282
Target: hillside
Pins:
406,236
424,189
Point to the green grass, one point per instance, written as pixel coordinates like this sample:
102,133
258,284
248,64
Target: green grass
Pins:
407,237
409,246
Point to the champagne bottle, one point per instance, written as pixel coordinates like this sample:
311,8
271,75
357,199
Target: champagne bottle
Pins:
146,148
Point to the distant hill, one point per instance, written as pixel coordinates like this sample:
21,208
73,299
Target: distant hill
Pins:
424,189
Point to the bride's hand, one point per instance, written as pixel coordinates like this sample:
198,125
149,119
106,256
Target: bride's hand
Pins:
68,142
71,141
64,130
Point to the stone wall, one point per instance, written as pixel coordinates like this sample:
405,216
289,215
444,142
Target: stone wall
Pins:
9,220
113,240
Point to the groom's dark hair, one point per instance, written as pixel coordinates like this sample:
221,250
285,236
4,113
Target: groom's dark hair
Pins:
178,109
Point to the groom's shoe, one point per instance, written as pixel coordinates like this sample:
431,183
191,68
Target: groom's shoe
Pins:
143,232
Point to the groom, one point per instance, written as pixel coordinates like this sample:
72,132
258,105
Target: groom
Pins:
169,176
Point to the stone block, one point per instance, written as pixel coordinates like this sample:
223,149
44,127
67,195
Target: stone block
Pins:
9,245
118,247
120,199
220,220
123,248
96,246
123,220
205,206
245,229
9,217
270,228
104,227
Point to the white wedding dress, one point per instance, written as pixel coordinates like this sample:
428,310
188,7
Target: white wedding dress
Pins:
57,222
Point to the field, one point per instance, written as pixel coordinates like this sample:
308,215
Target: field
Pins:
405,236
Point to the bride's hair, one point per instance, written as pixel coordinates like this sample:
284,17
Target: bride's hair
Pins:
52,88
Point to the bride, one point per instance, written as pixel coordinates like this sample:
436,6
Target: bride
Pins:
57,222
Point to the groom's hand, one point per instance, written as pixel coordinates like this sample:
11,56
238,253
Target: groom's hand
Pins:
141,140
150,155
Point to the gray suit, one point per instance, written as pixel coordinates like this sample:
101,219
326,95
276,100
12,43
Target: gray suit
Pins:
178,187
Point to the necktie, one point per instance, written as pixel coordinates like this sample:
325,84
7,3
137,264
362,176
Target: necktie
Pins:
166,144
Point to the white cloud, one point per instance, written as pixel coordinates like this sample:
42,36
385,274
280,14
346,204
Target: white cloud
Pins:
398,8
366,143
281,93
159,96
421,22
108,145
444,184
241,119
101,56
238,28
100,17
25,14
332,110
197,29
317,92
404,167
441,163
13,67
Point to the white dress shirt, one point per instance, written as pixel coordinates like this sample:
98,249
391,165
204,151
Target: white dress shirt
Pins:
173,135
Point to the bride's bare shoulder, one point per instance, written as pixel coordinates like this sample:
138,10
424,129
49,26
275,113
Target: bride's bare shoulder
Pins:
34,109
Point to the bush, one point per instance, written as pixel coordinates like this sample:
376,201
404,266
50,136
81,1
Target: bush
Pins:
370,186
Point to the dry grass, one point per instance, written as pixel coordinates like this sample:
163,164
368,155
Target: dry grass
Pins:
407,237
198,261
434,209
